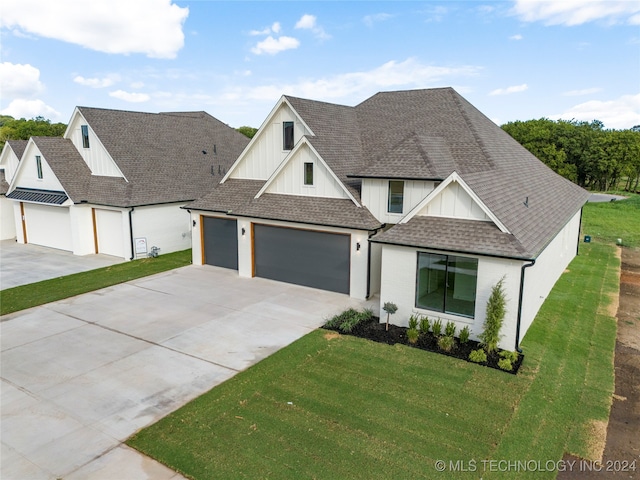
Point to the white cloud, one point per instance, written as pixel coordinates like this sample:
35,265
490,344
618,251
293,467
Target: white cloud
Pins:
517,36
370,20
357,85
621,113
272,46
275,28
510,90
584,91
151,27
96,82
19,80
577,12
130,96
21,108
137,84
308,22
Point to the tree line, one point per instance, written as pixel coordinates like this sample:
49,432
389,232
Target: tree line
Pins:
584,152
21,129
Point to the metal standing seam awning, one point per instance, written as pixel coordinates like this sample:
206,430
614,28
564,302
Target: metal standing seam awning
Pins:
50,197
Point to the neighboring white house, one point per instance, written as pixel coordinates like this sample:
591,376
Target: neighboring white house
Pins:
115,182
9,159
414,195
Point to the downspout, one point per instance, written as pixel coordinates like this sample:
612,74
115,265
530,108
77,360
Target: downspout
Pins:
131,233
369,262
579,232
526,265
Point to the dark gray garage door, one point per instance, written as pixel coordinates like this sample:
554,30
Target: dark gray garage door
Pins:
314,259
220,242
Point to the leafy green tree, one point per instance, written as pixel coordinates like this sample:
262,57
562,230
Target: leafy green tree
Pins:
247,131
495,313
12,129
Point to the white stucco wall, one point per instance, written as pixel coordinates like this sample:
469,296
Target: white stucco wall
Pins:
81,224
398,285
359,258
7,219
549,266
165,226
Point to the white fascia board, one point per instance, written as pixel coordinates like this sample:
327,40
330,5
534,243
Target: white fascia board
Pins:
304,141
75,113
267,121
455,177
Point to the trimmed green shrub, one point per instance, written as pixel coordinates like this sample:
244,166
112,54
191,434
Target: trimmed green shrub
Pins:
347,320
390,308
412,335
436,327
413,321
505,364
450,329
495,313
445,343
464,335
478,356
511,356
425,325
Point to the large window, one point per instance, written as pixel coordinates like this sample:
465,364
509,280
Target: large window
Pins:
447,283
287,132
85,135
39,166
396,196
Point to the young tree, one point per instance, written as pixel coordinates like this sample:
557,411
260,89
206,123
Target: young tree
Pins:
495,313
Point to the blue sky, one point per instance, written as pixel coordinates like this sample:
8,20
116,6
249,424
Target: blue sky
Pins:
512,59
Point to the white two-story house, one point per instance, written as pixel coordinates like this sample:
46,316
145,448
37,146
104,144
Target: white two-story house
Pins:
415,196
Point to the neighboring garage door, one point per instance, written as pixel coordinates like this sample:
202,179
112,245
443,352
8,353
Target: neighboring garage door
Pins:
304,257
109,232
220,242
48,226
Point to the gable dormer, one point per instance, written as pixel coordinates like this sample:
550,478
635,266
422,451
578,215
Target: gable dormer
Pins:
273,142
34,171
10,157
88,143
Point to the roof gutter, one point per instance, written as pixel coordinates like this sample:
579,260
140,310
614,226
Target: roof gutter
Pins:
520,297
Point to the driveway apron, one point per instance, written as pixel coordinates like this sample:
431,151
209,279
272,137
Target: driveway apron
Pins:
80,376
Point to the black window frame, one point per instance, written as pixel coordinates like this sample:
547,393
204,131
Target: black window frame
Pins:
394,207
39,166
287,135
445,294
308,171
85,135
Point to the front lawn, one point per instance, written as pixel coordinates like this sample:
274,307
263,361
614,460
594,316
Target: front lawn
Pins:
609,221
39,293
331,406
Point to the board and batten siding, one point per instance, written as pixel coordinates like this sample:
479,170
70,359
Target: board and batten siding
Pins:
290,180
454,202
266,153
27,175
375,196
399,265
96,156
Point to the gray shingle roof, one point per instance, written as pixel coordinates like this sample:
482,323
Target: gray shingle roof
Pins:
162,155
429,134
18,146
236,196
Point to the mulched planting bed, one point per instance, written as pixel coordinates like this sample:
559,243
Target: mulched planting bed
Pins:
373,330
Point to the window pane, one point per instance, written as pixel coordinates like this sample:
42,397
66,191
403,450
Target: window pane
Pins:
462,276
288,135
85,136
39,166
396,194
431,281
308,173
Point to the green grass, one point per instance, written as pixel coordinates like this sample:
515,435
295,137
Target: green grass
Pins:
609,221
350,408
39,293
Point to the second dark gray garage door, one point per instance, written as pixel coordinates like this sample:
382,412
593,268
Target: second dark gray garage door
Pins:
220,242
310,258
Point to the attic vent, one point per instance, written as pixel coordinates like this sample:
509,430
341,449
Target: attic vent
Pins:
526,202
204,152
215,150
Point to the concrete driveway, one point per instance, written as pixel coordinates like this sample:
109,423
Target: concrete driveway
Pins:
23,264
80,376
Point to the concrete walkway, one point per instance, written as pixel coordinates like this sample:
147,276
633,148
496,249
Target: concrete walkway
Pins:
22,264
80,376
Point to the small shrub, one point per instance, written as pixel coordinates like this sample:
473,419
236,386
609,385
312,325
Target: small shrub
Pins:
425,325
464,335
390,308
413,322
478,356
347,320
412,335
511,356
450,329
445,343
505,364
495,313
436,328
